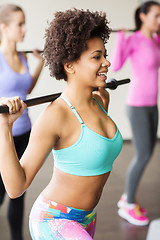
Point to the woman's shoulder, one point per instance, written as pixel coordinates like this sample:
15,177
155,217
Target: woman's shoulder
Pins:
56,109
56,112
134,36
52,118
157,38
133,40
24,55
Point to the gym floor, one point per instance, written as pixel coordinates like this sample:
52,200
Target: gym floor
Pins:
109,225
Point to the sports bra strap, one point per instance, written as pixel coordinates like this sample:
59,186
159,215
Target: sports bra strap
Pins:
73,109
101,106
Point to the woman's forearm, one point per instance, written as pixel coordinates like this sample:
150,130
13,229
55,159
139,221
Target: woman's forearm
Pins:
36,75
11,171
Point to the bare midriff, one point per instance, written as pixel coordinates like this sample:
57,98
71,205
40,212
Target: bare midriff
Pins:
82,192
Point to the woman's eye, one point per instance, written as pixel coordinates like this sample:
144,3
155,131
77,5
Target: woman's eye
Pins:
97,57
20,24
105,55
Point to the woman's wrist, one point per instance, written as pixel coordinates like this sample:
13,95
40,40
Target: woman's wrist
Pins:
6,134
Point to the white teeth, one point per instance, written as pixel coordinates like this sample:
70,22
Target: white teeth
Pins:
102,74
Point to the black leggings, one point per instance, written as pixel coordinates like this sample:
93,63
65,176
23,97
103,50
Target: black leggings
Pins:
16,206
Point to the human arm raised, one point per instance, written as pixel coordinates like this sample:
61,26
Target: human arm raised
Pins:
121,51
38,69
18,175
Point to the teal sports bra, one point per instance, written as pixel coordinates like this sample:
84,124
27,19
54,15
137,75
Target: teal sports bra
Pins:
92,154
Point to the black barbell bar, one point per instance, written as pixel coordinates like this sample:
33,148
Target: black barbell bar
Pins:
126,30
111,84
30,51
113,30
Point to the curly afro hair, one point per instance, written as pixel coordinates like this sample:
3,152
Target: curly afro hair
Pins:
66,37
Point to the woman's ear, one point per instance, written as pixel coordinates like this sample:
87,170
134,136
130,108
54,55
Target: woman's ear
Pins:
2,26
69,68
142,16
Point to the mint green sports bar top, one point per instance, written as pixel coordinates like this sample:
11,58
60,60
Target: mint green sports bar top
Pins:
92,154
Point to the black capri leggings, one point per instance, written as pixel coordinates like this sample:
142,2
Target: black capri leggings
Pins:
16,206
144,123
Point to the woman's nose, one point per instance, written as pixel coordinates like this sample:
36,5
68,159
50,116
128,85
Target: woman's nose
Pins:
106,63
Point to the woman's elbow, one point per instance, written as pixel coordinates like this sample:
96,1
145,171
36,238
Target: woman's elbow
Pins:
14,195
14,192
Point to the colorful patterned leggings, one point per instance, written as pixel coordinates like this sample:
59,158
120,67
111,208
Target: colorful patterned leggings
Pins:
50,220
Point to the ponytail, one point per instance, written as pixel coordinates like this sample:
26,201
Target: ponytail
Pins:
138,21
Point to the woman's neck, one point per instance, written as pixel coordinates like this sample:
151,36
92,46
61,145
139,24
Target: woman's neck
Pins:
8,47
146,32
78,95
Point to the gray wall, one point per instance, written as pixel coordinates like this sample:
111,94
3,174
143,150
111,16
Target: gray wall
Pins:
120,14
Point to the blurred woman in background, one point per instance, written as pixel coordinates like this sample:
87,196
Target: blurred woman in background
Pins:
15,80
143,50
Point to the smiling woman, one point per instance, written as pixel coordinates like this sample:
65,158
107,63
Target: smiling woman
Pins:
84,139
94,64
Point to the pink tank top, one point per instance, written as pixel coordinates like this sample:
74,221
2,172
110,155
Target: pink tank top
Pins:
144,56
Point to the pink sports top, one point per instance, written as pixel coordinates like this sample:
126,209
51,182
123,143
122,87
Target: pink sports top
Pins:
144,55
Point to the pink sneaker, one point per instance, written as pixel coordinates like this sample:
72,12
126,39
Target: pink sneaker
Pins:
133,215
122,202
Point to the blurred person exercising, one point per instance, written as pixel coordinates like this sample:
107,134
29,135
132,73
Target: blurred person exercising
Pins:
15,80
143,50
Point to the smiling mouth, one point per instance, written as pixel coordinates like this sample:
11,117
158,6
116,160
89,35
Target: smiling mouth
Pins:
102,74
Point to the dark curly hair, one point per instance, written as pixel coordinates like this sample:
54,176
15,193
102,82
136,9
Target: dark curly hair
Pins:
66,37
